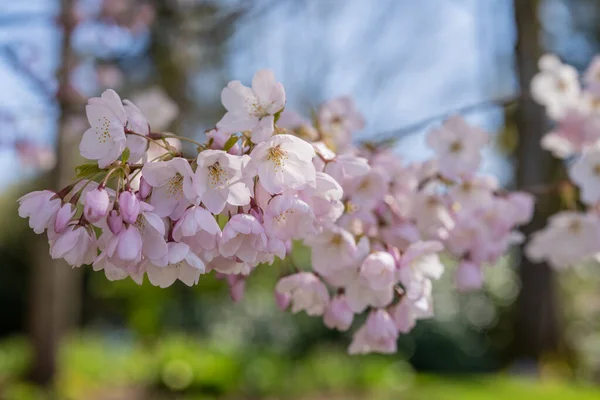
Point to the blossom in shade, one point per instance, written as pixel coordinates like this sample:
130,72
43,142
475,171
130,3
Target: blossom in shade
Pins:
181,263
96,204
469,276
40,207
288,217
307,291
173,186
338,314
76,244
63,217
198,229
378,335
244,238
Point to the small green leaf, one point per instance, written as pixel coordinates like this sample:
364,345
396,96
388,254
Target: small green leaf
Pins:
233,139
278,114
125,155
87,170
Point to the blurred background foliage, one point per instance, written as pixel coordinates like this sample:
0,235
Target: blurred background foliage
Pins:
404,62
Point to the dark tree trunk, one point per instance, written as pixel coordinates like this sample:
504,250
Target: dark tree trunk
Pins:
537,330
54,298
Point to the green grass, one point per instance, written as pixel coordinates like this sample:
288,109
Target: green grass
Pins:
184,368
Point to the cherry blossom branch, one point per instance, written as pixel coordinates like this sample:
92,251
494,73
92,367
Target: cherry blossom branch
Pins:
390,136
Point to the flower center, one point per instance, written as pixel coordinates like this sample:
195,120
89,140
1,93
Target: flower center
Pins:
277,156
175,186
102,132
575,226
456,146
258,109
217,175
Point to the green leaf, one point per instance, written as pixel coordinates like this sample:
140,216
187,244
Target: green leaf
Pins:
230,142
87,170
278,114
125,155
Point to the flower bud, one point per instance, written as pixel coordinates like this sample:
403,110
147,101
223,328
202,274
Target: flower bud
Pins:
96,204
338,314
145,188
469,276
115,222
64,215
129,206
282,300
237,287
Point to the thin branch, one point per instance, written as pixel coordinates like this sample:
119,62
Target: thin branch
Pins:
387,137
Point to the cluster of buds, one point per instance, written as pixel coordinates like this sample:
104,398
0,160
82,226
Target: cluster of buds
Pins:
573,102
266,180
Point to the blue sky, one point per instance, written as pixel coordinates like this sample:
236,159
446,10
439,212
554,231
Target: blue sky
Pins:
402,61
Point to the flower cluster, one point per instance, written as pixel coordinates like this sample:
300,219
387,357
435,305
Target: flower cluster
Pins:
573,102
382,254
266,180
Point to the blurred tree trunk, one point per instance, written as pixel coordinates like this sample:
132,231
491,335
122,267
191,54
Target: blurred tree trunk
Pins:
55,287
537,330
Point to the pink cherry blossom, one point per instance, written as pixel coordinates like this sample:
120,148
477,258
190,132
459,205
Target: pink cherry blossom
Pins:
105,140
129,206
333,249
252,108
585,172
136,122
63,217
283,162
378,335
181,263
198,229
339,119
40,207
324,199
457,146
219,180
287,217
96,204
125,249
469,276
369,189
173,186
243,237
307,291
282,300
76,244
338,314
569,238
556,86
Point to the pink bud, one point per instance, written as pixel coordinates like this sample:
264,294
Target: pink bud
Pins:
129,206
96,205
145,188
64,215
115,222
237,289
338,314
283,300
469,276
